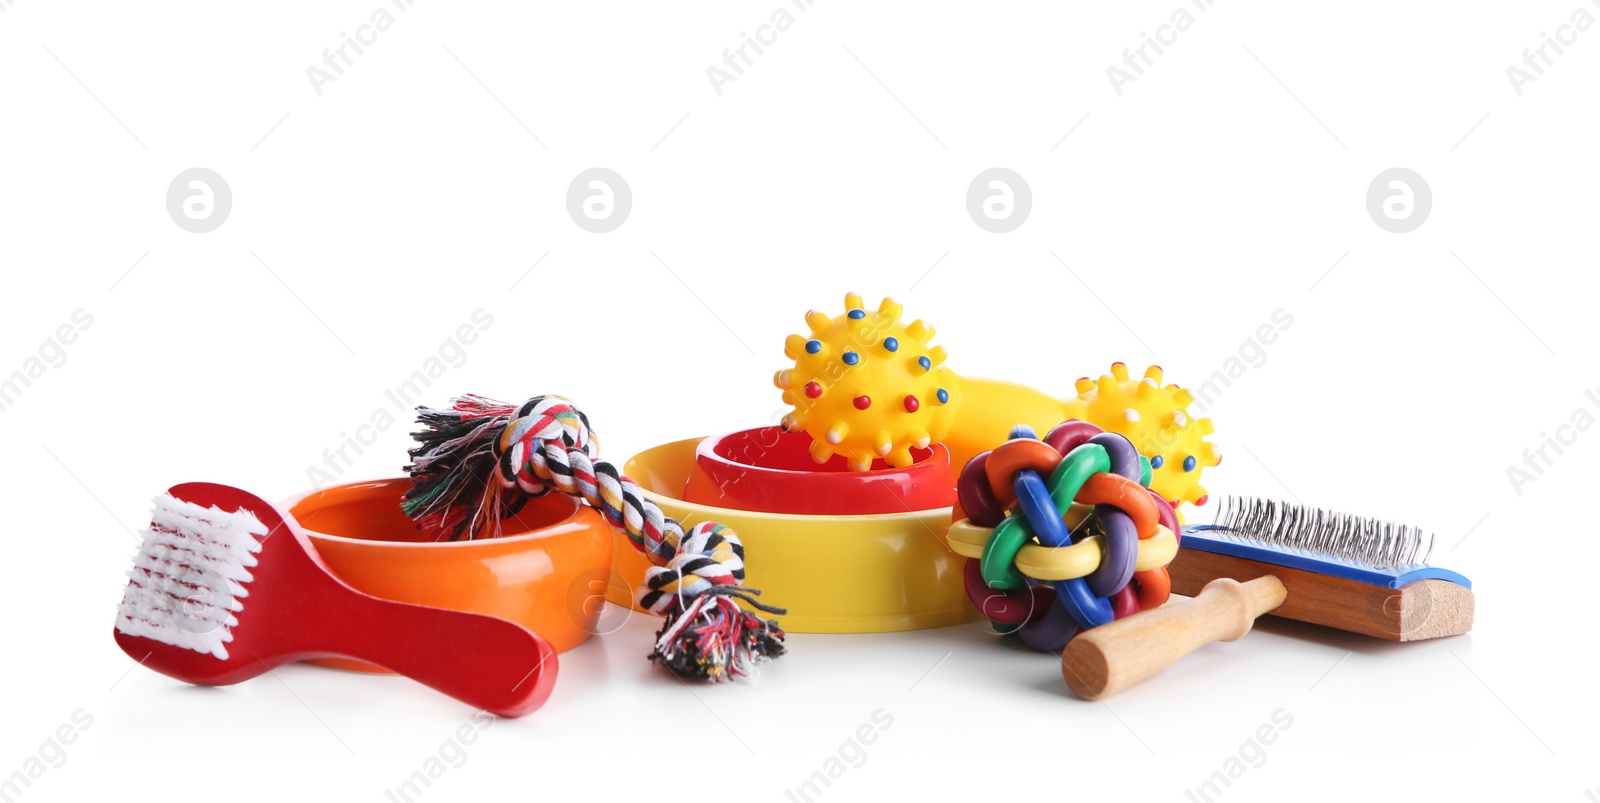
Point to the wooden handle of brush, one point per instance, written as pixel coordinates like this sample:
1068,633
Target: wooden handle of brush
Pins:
1101,662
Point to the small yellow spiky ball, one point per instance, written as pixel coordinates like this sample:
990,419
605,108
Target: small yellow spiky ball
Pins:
866,386
1157,420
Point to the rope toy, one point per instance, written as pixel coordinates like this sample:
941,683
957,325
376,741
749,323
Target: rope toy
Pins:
480,461
1064,533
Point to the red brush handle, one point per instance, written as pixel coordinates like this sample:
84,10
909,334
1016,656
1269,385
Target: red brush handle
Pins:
488,663
296,609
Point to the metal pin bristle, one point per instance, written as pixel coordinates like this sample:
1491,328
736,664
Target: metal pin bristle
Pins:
1341,535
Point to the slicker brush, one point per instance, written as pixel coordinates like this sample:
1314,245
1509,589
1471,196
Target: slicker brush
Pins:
1343,571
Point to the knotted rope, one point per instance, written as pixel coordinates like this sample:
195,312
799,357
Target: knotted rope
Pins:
480,461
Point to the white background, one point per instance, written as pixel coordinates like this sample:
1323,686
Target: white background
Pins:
1222,185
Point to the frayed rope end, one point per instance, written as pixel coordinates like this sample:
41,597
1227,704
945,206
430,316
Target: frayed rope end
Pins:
714,640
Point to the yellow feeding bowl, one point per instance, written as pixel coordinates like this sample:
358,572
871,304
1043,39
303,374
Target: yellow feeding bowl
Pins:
834,574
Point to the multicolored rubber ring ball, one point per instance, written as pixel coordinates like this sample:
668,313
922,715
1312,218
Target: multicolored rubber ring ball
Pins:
1063,534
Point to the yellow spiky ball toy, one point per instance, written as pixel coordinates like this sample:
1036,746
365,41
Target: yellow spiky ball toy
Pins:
866,386
1157,420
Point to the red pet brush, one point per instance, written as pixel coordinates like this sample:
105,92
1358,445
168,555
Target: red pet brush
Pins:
226,586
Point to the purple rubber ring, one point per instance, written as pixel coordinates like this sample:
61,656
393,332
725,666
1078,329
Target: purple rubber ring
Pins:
1050,632
1124,458
1120,552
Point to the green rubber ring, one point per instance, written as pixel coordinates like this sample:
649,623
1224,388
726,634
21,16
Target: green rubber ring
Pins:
1144,471
1075,469
998,561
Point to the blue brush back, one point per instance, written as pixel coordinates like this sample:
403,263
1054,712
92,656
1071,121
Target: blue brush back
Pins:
1221,541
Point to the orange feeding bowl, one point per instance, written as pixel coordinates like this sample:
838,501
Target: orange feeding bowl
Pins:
548,572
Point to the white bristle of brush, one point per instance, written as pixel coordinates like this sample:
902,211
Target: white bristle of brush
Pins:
188,579
1341,535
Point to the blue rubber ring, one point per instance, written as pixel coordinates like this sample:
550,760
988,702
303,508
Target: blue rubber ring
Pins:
1033,499
1086,609
1124,458
1119,552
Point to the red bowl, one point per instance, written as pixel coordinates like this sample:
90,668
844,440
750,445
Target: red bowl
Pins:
771,471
